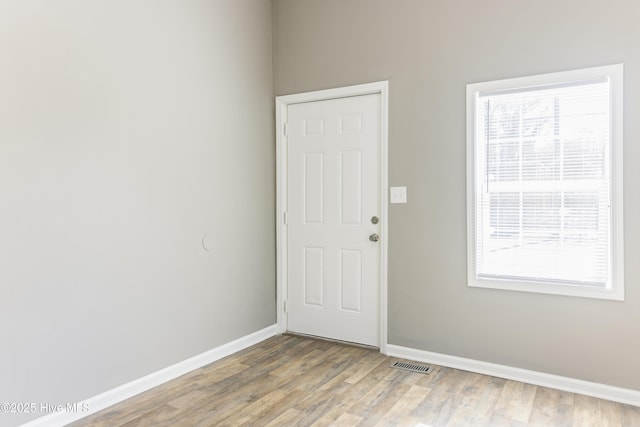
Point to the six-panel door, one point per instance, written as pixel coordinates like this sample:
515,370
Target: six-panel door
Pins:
333,194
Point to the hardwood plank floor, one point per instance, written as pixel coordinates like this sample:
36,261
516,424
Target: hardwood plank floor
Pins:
299,381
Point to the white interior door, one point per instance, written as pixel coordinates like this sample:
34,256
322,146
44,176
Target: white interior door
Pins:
334,191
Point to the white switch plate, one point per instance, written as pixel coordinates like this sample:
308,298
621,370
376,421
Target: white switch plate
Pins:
398,194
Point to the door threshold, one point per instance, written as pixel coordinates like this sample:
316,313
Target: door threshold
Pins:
316,337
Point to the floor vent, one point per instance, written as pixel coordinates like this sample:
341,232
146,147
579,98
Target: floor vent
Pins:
413,367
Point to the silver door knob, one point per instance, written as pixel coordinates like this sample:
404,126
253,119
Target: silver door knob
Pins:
374,237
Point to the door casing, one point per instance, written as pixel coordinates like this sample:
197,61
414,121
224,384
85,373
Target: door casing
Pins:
282,104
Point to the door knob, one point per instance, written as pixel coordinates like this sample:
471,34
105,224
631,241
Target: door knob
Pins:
374,237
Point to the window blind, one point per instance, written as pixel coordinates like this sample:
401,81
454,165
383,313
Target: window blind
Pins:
543,183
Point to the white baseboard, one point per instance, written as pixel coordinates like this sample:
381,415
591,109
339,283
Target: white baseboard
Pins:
601,391
111,397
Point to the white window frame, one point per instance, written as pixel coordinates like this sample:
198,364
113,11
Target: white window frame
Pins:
615,286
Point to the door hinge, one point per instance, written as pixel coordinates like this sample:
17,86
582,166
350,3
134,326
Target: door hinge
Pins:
285,218
284,306
285,128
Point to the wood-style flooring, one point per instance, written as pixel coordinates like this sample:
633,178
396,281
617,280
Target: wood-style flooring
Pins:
298,381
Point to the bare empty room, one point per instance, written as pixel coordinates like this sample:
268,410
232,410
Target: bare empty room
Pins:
244,212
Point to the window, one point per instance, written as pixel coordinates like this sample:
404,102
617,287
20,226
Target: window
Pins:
544,183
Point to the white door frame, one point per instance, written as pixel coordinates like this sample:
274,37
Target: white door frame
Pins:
282,104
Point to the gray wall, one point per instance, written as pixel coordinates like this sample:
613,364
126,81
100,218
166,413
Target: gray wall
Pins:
429,51
128,130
